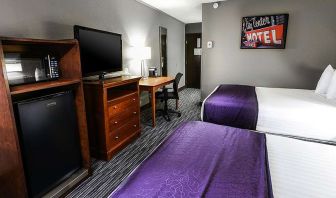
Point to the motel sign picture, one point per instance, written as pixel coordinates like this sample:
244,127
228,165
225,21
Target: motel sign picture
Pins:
264,32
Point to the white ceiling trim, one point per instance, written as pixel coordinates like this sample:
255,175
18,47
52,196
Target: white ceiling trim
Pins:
154,8
187,11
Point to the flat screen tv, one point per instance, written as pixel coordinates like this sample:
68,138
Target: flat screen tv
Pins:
101,51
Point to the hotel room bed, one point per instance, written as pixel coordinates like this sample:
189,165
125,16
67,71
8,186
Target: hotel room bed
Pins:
295,112
203,160
299,168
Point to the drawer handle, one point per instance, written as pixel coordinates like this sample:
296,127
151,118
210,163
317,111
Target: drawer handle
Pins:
117,137
135,126
115,122
115,107
134,112
133,99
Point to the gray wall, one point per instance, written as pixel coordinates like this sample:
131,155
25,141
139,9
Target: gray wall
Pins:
311,44
193,28
139,25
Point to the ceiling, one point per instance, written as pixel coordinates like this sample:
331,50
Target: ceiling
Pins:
187,11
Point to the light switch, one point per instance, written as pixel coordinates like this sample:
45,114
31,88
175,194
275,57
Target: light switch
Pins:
210,44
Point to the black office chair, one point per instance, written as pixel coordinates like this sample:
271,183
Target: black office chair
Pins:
166,95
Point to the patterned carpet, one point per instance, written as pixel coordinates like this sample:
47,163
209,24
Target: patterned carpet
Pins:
108,175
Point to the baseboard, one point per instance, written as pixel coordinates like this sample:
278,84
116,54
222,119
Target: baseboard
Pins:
181,88
146,106
69,184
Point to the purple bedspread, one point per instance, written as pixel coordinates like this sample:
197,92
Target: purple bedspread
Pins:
232,105
203,160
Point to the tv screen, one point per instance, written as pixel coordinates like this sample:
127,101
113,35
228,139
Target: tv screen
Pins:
101,51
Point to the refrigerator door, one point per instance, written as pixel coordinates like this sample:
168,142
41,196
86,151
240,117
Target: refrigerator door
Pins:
49,141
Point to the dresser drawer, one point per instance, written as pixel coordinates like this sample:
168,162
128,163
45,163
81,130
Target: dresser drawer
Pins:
118,135
120,105
122,118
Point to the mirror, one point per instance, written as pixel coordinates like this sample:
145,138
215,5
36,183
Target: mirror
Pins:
163,51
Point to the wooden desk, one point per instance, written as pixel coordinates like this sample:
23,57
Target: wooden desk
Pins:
152,85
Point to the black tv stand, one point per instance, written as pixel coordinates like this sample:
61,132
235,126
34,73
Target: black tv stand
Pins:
102,76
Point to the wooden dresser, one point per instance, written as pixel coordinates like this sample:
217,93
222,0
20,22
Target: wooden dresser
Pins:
113,114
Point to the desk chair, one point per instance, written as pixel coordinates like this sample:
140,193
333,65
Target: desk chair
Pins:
166,95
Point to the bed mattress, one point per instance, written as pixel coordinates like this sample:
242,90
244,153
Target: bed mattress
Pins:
301,169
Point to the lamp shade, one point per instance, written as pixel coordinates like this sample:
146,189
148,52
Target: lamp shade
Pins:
142,53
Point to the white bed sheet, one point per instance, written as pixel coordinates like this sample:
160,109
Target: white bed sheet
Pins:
301,169
296,112
298,168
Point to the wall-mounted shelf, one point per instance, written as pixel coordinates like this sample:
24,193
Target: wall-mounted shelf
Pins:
22,89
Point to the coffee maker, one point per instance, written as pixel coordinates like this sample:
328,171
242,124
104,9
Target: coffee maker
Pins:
152,72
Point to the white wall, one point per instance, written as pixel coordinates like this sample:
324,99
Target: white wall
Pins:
311,44
139,25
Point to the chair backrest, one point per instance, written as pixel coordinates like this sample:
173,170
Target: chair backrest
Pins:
176,83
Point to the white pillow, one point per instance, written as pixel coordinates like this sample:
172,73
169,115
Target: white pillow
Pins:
323,84
331,93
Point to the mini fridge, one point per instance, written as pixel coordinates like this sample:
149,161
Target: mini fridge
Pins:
49,140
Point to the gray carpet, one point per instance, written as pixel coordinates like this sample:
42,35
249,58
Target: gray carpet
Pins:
108,175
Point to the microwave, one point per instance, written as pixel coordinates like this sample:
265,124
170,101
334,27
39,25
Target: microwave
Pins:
23,69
